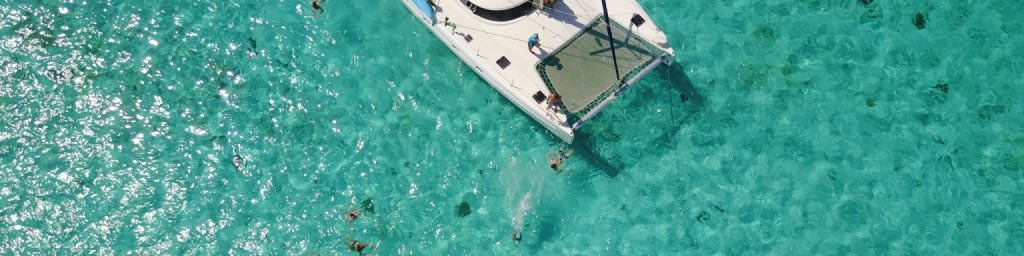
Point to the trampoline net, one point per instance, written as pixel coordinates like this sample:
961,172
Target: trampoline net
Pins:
582,71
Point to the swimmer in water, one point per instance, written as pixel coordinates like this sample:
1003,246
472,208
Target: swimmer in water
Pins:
356,246
238,161
317,9
558,158
352,215
516,236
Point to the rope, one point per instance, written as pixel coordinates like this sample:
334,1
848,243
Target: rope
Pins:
598,158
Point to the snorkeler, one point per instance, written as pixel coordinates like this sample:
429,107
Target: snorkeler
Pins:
352,215
356,246
558,159
238,161
516,236
317,9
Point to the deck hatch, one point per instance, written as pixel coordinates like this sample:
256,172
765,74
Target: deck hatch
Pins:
503,62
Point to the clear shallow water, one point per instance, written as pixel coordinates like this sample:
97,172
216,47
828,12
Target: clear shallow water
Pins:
808,128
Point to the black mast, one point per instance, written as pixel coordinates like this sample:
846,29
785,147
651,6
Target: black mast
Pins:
608,24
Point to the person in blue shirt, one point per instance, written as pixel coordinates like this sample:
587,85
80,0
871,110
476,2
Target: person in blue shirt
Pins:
534,41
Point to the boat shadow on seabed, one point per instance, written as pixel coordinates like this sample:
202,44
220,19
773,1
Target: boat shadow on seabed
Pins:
644,123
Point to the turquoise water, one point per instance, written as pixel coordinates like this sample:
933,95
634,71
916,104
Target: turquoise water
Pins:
248,127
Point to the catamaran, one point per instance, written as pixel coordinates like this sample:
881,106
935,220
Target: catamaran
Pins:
530,49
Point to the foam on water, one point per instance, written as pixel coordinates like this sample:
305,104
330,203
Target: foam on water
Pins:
249,127
522,183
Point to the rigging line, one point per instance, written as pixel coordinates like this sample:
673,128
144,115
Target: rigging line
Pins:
608,25
485,31
456,26
671,109
511,83
598,158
